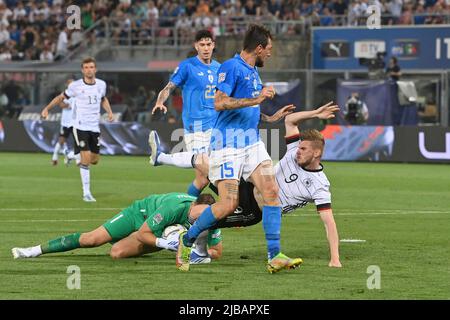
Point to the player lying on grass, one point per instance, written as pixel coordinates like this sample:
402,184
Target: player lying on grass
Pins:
299,175
137,230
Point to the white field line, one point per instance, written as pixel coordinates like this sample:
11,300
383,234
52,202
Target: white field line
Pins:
113,210
373,213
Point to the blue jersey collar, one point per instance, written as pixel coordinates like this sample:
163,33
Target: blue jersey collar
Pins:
238,56
201,62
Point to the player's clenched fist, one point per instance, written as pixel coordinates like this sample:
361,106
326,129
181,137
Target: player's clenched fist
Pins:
161,107
44,114
267,93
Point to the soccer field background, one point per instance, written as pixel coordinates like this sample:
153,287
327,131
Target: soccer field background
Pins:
402,211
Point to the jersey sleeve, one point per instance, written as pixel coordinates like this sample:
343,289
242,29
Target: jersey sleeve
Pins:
291,144
214,237
180,74
322,198
104,90
227,78
69,92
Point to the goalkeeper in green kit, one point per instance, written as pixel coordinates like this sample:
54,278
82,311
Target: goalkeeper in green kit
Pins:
138,230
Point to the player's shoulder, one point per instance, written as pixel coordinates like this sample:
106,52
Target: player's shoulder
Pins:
215,64
100,82
188,62
230,63
76,83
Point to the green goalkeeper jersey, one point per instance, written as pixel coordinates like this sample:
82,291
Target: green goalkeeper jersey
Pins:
158,211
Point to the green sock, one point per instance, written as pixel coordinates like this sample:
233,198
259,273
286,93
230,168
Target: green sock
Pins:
65,243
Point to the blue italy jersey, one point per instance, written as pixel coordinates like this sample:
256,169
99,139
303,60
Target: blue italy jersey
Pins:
198,82
237,128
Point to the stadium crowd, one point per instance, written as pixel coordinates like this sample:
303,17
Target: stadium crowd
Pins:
36,29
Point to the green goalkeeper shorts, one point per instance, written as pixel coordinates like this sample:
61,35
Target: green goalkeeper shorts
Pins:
124,223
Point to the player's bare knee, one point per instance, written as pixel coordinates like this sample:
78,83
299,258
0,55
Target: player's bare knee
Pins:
226,207
94,162
88,240
117,253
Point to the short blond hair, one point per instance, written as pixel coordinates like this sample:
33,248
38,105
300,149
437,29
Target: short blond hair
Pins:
314,136
88,60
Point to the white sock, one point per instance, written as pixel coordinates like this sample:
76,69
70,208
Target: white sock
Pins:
65,149
35,251
85,179
31,252
201,244
162,243
56,151
179,159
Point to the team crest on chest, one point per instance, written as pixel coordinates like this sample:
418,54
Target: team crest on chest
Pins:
307,182
255,84
211,78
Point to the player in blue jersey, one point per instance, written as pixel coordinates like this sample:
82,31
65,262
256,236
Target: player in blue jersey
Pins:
237,151
197,77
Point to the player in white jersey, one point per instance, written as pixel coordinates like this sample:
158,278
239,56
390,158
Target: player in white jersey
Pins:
299,175
89,94
65,129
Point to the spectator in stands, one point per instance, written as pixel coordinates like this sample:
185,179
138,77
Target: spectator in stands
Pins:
4,34
274,7
46,55
3,103
394,8
326,19
62,46
393,70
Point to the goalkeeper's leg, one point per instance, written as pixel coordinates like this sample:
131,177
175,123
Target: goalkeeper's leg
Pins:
130,247
68,242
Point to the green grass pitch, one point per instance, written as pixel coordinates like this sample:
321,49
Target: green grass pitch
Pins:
402,211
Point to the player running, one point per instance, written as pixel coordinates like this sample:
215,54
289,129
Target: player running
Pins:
237,151
89,93
197,77
299,175
137,230
66,127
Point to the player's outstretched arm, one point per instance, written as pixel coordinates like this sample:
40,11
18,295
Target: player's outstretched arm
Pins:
107,107
163,95
280,114
223,102
56,101
292,121
332,236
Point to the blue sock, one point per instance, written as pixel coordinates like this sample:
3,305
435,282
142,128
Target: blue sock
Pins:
193,191
272,225
204,222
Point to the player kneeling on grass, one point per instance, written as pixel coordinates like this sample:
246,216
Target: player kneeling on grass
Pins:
138,230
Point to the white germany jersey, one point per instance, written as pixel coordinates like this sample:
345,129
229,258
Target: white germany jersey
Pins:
67,113
299,186
88,98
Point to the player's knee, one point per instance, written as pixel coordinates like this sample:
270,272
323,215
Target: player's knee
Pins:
226,207
88,240
117,253
94,161
270,193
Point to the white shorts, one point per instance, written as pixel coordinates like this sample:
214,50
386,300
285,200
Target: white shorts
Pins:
198,142
231,163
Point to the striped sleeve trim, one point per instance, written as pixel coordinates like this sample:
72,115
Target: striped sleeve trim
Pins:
323,207
291,139
65,95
